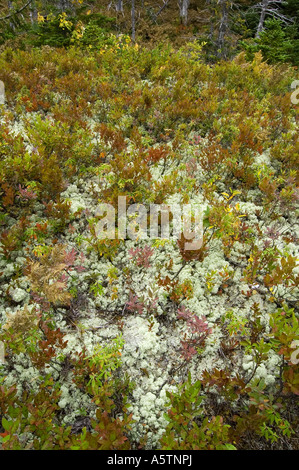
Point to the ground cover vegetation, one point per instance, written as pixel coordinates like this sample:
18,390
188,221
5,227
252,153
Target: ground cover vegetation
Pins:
142,344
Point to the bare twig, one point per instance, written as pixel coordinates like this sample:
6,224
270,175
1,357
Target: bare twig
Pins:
16,12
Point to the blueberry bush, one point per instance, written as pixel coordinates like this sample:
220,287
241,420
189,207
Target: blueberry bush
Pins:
141,343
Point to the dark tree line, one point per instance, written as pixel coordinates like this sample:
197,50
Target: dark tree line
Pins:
219,18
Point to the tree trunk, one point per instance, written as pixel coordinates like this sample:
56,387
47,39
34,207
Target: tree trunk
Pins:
133,20
119,6
10,8
64,5
222,28
33,13
183,6
260,27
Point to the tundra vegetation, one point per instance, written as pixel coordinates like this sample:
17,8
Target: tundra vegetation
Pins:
142,344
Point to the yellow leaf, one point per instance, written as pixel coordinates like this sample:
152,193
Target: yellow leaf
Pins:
40,18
